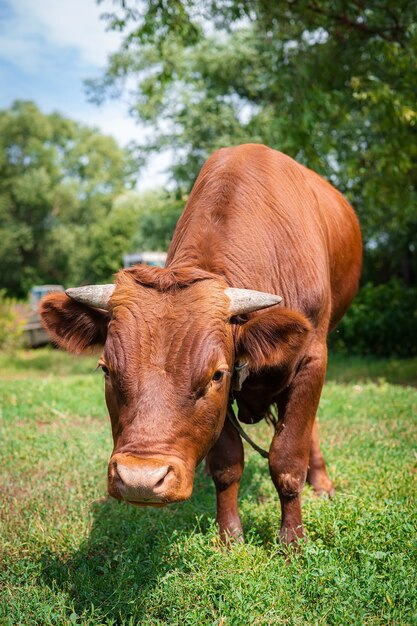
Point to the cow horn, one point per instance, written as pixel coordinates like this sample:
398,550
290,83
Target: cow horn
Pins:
247,300
97,296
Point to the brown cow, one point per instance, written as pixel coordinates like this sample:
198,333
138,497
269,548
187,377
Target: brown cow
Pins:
255,220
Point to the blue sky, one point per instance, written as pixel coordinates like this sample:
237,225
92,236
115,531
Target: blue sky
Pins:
47,48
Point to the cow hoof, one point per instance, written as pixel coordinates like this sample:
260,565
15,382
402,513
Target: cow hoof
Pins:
292,537
321,484
230,529
231,536
324,493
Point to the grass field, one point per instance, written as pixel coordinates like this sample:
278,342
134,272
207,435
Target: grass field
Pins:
70,555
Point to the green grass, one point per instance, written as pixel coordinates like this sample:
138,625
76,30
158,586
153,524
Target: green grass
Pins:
365,369
72,556
43,362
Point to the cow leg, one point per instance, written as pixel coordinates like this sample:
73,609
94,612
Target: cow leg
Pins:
317,475
225,466
290,447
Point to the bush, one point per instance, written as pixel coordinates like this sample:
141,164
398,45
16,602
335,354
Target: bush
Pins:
11,323
382,321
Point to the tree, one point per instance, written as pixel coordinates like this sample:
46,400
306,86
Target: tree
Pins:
136,222
333,84
57,179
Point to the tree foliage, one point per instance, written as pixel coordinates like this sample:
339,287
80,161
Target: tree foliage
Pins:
333,84
382,322
136,222
58,180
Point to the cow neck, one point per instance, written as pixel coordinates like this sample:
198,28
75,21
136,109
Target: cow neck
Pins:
240,373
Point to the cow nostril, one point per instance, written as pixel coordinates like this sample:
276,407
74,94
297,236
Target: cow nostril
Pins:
113,472
148,480
162,479
141,480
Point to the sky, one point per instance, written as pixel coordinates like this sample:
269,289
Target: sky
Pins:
47,49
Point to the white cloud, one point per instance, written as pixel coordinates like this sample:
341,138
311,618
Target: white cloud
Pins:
71,24
77,24
47,40
112,119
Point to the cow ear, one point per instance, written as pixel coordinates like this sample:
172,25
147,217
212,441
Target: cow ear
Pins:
272,338
74,326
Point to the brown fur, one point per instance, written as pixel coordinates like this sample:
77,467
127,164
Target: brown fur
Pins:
164,280
72,325
272,339
255,219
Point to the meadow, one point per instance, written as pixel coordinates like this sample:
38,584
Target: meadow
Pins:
71,555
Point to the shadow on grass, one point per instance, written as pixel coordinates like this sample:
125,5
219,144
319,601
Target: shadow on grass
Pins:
116,571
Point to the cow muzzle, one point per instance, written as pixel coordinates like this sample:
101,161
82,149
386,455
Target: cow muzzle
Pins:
148,481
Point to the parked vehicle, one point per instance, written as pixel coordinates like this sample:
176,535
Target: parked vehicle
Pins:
35,334
149,258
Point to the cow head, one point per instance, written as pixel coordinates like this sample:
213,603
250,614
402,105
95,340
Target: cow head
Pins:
169,342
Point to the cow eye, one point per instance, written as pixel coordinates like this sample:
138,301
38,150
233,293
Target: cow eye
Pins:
218,375
104,369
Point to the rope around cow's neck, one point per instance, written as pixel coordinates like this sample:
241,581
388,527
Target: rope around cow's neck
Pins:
232,417
239,375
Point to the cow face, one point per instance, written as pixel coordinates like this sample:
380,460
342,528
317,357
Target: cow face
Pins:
169,345
167,365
